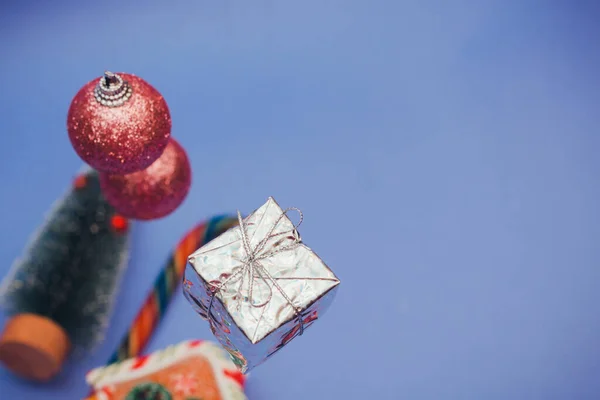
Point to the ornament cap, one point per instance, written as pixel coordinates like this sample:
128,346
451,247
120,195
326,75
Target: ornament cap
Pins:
112,90
33,347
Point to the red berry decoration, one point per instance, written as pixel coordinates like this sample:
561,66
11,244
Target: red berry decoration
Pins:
154,192
119,123
80,182
119,223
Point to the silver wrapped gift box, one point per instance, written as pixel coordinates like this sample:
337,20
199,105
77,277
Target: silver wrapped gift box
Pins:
258,285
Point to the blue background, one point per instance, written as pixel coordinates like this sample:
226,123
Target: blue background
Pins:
444,154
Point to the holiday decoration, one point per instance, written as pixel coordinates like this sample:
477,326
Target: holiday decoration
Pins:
61,291
154,192
119,123
165,286
258,285
187,371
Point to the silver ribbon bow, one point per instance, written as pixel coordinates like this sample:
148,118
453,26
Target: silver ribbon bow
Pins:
251,267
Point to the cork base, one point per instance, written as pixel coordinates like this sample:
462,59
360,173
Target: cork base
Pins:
33,347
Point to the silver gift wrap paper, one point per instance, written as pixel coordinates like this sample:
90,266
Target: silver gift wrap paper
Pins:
249,315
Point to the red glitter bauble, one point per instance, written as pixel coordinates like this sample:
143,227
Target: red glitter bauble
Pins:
119,123
154,192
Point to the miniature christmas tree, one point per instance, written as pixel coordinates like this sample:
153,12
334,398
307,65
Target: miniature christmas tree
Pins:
60,293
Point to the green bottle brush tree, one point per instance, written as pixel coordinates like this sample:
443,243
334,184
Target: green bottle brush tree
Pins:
60,293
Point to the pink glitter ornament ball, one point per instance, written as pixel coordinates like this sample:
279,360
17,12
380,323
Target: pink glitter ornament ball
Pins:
119,123
154,192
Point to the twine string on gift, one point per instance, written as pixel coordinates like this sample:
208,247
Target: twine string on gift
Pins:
252,267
